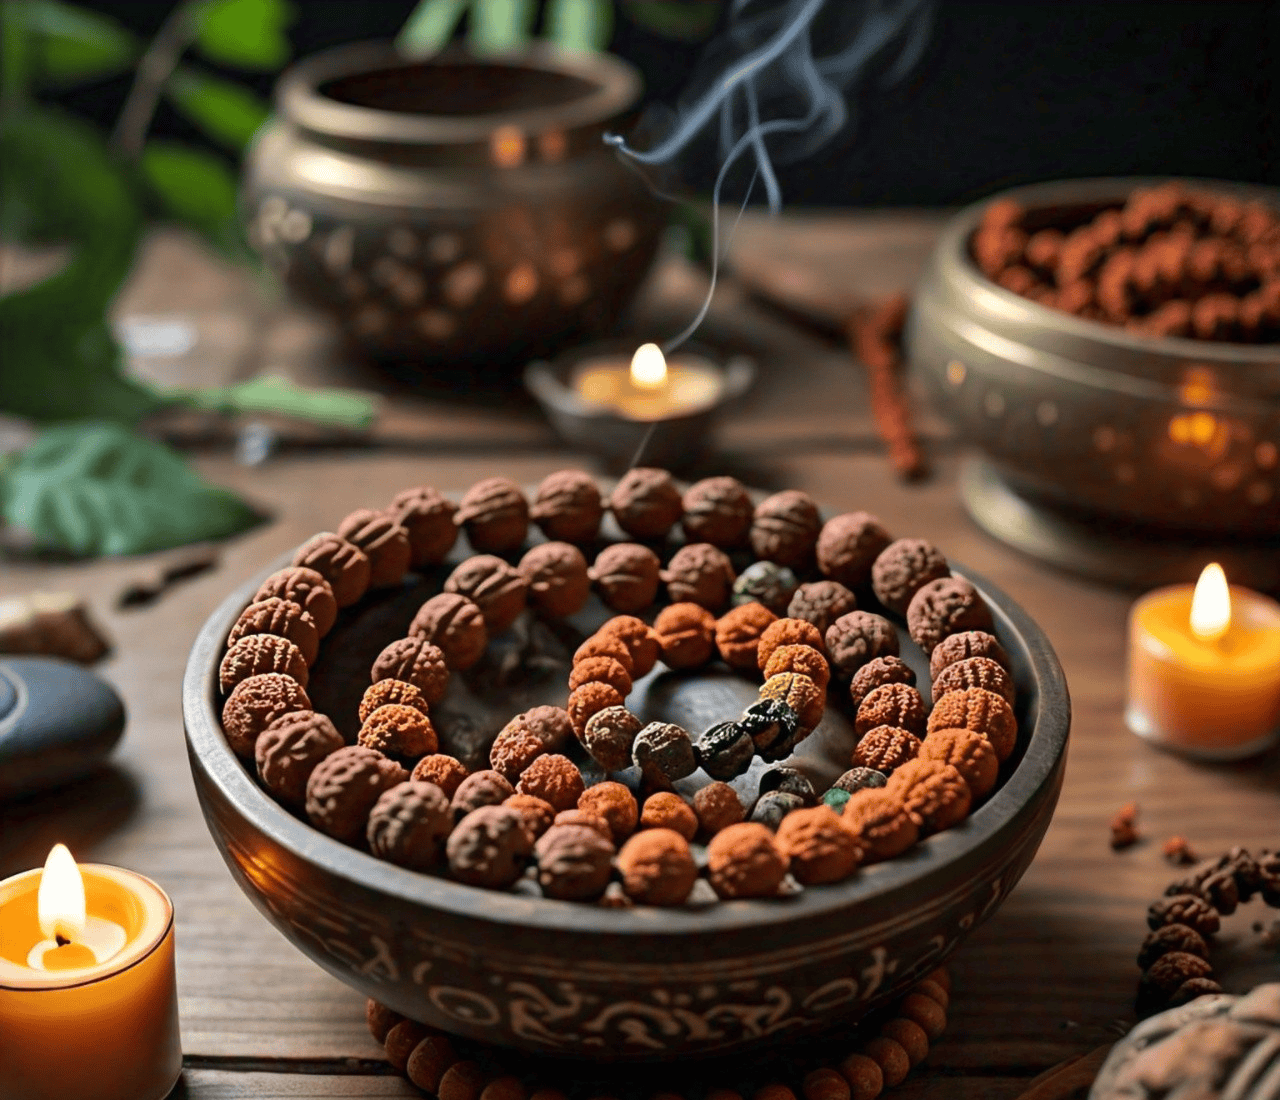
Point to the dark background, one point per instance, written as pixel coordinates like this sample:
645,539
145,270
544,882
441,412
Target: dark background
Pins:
1006,93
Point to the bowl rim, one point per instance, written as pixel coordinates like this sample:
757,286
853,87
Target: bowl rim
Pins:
210,752
953,249
616,86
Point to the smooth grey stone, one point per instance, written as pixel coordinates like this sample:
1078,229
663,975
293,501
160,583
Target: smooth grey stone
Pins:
58,722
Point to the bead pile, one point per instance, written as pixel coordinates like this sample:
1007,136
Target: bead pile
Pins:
530,817
428,1058
1174,958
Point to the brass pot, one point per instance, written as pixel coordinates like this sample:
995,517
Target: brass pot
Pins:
1167,433
457,209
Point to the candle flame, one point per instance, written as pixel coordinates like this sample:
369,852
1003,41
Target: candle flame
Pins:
1211,604
60,900
648,367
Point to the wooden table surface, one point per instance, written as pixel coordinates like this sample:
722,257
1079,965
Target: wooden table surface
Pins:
1049,977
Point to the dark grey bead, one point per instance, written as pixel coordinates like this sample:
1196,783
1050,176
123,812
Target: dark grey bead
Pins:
725,751
767,583
663,752
858,779
774,728
774,806
789,781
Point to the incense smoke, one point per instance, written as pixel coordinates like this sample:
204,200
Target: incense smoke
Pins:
773,99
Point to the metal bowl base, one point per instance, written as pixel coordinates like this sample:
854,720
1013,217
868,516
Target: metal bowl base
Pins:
1101,549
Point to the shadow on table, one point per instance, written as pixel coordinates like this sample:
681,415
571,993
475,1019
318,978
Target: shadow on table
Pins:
78,815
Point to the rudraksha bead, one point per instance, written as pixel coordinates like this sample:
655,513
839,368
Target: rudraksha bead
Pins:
934,795
785,526
344,787
969,753
409,824
308,589
446,772
556,575
383,540
288,750
489,847
979,710
819,847
602,670
554,779
427,516
343,565
904,567
738,634
639,639
616,804
861,779
456,625
848,546
483,788
858,638
767,583
399,730
416,661
946,606
626,575
717,510
788,632
686,635
255,654
568,506
885,748
254,704
743,861
699,573
494,586
799,693
657,867
667,810
663,752
876,673
803,659
821,603
283,618
773,725
975,672
609,735
574,863
495,515
880,823
717,806
726,750
646,503
1188,909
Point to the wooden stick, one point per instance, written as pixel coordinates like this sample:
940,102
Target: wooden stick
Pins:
1067,1078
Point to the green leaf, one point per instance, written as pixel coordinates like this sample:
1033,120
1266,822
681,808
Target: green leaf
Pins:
91,489
683,20
196,189
341,408
248,34
227,112
580,24
67,44
496,26
429,27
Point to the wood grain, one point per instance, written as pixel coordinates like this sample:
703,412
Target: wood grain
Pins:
1051,976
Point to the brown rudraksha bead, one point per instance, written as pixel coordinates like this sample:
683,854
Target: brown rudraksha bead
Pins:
892,705
554,779
946,606
308,589
799,693
699,573
384,541
639,639
979,710
445,771
415,660
975,672
744,861
609,735
568,506
903,568
877,673
483,788
344,787
489,847
587,819
785,527
605,645
885,748
667,810
849,545
283,618
456,625
551,724
962,646
604,670
288,750
409,824
717,806
1188,909
1170,970
255,654
514,749
646,503
494,586
803,659
385,692
819,846
399,730
657,867
556,575
858,638
782,632
626,575
427,516
574,862
1171,937
343,565
538,812
969,753
738,634
616,804
934,794
588,700
880,823
821,603
717,510
254,704
495,516
686,635
664,753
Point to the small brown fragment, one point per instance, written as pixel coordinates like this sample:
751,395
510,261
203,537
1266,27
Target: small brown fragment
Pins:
415,660
785,528
494,586
454,624
657,867
427,517
1178,852
556,575
343,565
686,635
739,632
743,861
495,515
1124,828
568,506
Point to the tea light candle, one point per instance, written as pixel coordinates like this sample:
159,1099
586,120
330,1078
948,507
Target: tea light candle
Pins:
1204,668
649,388
88,997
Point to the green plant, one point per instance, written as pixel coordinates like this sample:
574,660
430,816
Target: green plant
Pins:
64,182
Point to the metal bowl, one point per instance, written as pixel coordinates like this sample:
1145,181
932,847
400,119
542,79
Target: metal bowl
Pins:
1167,433
618,984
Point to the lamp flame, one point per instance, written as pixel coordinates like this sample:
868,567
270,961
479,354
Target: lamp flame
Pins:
60,900
648,367
1211,604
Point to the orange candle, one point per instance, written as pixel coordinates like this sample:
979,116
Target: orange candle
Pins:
88,1000
1204,668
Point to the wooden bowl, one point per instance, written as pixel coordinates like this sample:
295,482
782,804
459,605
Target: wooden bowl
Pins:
581,980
